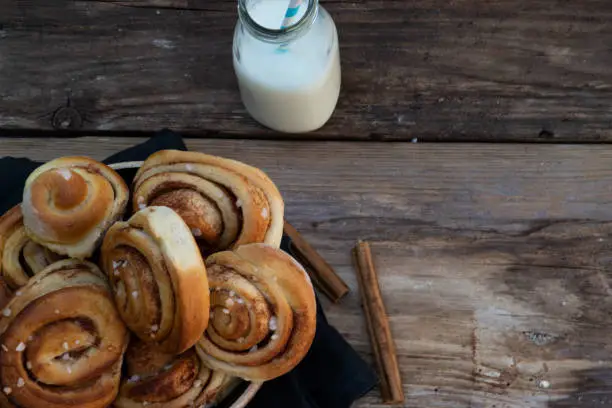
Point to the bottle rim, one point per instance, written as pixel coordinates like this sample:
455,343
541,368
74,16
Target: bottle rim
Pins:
282,34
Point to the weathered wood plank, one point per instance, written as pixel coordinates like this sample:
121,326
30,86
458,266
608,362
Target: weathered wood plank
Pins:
494,260
431,69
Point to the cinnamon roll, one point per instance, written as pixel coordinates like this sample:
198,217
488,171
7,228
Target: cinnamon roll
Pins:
68,204
62,340
263,313
20,257
158,278
5,293
160,380
224,202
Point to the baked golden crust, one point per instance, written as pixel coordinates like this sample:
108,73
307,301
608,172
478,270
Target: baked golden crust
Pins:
64,336
225,203
5,293
263,313
68,204
20,257
158,278
161,380
62,340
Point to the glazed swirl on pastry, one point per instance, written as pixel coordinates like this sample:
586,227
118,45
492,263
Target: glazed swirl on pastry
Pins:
225,203
159,380
263,313
62,340
20,257
158,278
69,203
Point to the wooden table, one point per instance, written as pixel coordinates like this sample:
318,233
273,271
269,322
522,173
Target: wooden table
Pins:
494,259
469,70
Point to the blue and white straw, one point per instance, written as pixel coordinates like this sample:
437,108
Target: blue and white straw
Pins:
292,11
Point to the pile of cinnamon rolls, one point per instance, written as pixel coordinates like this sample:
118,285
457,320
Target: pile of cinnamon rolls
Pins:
162,296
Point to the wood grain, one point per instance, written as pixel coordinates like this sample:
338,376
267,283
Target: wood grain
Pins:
493,260
428,69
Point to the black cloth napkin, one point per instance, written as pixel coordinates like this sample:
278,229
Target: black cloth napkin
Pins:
332,375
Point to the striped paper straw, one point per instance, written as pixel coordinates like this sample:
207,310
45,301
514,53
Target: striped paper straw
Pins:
292,10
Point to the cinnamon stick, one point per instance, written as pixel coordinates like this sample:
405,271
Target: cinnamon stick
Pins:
321,273
378,327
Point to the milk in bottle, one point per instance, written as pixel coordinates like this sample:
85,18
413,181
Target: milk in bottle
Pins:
289,77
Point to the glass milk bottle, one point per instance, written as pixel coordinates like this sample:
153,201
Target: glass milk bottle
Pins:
287,63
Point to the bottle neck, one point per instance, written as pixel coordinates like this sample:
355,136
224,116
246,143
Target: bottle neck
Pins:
281,35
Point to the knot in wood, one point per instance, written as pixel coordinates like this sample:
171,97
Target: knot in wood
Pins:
66,118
